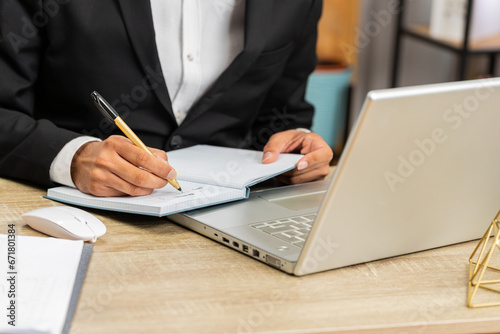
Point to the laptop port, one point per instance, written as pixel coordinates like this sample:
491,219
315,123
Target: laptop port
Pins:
273,261
244,248
255,253
225,239
235,244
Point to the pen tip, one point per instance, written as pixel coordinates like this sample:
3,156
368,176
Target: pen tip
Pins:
180,189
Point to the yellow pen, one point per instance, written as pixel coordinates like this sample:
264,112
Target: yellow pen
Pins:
107,110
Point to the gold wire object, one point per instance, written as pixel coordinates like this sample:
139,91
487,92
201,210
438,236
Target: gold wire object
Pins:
477,268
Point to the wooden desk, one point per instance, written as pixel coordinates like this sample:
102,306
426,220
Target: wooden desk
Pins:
148,275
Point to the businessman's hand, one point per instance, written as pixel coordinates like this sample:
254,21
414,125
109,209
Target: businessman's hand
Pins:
313,166
113,167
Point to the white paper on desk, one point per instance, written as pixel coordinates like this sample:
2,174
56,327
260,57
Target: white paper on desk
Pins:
46,271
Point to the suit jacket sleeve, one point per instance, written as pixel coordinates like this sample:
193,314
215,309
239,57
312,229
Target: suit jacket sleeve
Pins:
285,106
27,146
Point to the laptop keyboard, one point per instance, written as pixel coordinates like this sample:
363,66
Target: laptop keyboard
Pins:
294,230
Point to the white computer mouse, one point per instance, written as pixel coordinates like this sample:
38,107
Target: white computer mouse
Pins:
65,222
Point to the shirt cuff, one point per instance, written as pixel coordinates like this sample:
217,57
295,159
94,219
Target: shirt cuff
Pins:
303,130
60,169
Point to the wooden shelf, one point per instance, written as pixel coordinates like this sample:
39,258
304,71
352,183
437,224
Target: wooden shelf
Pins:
489,45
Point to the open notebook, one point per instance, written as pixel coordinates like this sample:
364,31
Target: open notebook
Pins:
207,174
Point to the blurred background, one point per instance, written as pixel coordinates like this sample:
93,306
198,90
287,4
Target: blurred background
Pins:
431,41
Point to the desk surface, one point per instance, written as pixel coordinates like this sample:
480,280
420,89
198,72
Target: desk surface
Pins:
148,275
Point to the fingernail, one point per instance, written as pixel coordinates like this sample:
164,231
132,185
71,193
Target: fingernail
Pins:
267,156
302,165
172,174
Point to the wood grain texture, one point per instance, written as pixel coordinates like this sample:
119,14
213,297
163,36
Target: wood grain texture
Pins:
147,275
337,31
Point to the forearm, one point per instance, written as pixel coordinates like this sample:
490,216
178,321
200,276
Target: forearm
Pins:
285,106
27,145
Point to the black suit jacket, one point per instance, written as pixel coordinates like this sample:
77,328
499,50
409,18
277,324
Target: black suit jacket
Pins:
54,53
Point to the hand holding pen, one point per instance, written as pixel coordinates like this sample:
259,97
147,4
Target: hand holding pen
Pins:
117,167
107,110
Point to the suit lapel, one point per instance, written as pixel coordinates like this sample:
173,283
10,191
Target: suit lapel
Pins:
257,13
140,29
139,24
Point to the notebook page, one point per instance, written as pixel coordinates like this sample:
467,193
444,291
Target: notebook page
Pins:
162,201
46,271
225,166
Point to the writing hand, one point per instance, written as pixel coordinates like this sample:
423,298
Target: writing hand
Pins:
317,155
113,167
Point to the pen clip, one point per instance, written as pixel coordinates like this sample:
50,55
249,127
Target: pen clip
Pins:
104,107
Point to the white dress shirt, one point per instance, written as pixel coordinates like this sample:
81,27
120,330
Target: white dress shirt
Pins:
196,41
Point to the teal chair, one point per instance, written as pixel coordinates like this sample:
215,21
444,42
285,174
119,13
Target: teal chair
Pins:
328,91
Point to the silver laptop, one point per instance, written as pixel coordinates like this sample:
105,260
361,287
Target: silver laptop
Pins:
421,169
